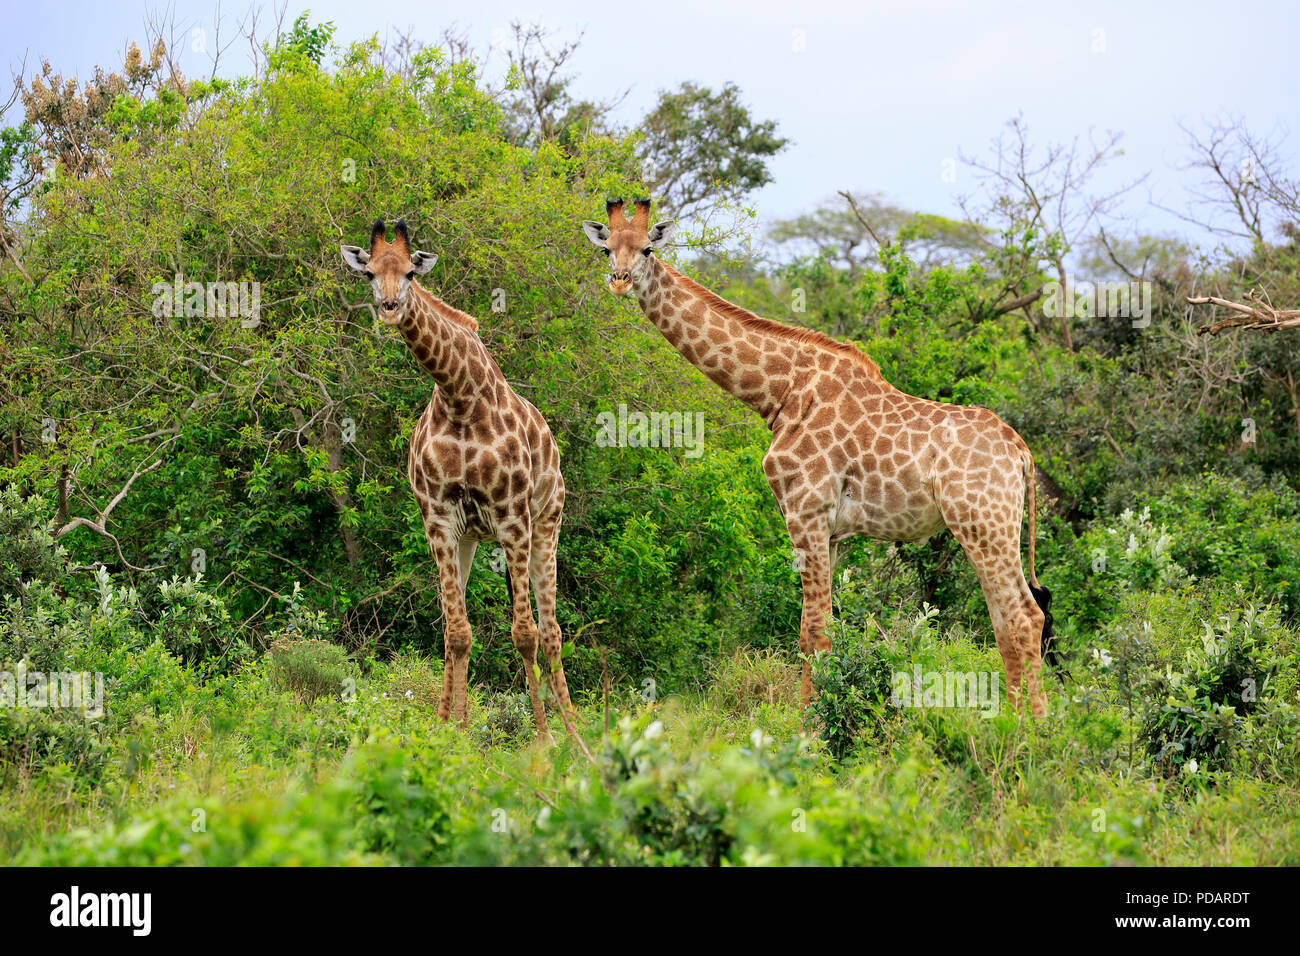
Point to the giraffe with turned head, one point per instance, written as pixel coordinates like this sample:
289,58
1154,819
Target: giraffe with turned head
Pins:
850,454
483,465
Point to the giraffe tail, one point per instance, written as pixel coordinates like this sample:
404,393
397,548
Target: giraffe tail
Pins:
1042,596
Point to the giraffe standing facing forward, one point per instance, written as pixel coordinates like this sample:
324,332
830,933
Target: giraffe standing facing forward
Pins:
483,464
850,454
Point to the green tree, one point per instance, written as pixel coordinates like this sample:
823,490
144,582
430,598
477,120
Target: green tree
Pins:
704,147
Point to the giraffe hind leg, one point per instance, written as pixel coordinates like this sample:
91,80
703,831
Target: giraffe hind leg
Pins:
813,553
1018,624
523,629
992,545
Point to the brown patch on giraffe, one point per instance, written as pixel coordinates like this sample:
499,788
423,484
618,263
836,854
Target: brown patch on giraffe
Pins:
768,327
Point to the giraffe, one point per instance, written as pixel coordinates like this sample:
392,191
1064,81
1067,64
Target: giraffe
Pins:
850,454
483,466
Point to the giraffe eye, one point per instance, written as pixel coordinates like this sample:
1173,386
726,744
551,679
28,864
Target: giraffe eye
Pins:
647,250
410,275
369,275
606,251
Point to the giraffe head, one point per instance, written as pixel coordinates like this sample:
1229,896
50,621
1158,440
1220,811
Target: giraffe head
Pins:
390,267
628,243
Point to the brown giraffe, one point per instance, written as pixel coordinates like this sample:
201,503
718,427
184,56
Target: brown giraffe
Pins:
851,454
483,465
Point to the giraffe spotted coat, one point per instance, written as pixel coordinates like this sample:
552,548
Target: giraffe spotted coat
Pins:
851,454
483,466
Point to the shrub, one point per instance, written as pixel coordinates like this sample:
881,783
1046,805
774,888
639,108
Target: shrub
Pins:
406,792
851,684
752,677
195,625
1198,711
32,739
28,549
310,668
504,719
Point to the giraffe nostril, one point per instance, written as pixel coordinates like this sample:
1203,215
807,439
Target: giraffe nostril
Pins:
389,305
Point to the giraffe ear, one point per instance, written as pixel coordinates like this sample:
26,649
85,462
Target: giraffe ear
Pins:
355,256
400,236
660,231
597,232
422,262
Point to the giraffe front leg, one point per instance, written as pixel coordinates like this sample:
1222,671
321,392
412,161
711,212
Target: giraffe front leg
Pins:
546,539
523,629
457,637
812,551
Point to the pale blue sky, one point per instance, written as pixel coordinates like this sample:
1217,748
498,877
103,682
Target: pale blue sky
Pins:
883,93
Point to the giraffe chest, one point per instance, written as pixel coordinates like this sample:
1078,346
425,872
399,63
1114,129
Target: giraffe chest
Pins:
471,478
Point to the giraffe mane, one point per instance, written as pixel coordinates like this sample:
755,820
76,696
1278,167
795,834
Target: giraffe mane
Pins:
790,333
445,310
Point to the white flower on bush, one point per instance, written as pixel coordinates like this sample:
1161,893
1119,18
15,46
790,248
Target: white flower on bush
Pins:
1191,767
1102,655
654,730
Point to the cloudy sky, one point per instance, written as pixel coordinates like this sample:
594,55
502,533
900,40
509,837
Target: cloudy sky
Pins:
876,97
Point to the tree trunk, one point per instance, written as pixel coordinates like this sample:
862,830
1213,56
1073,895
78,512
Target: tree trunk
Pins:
1064,278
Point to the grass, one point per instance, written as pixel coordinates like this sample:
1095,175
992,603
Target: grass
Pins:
276,772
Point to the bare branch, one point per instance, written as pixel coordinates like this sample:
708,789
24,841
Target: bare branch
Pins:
1261,315
861,218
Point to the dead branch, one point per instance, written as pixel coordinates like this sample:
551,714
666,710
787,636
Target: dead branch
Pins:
1261,315
861,218
99,526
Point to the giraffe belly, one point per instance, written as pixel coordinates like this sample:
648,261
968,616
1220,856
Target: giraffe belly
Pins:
899,507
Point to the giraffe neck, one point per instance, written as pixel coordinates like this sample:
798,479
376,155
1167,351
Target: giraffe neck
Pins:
750,359
444,340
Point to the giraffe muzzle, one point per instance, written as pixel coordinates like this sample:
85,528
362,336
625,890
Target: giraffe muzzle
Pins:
390,312
620,282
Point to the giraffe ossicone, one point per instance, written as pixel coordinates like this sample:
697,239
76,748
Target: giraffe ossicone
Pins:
851,454
483,466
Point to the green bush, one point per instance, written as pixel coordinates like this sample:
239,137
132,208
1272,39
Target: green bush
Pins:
852,683
504,720
34,739
406,794
310,668
28,550
1200,704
